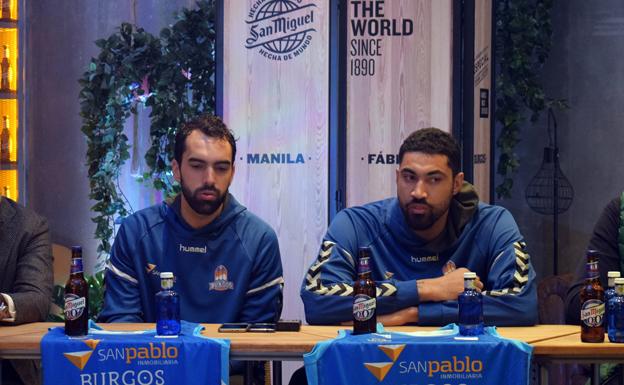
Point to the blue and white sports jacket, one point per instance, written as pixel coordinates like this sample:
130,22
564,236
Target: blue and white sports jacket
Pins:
227,271
482,238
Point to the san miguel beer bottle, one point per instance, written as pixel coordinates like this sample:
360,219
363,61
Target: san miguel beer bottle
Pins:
76,298
592,302
364,296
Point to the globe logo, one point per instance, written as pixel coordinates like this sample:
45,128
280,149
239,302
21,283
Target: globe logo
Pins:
280,29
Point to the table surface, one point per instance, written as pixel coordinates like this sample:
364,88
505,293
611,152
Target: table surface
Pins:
563,341
570,347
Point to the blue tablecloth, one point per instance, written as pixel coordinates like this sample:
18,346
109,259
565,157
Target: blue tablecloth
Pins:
439,357
134,358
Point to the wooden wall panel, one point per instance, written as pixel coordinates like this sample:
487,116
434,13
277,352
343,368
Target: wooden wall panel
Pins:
482,97
410,87
277,104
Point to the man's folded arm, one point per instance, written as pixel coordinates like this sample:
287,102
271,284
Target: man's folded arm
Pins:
327,289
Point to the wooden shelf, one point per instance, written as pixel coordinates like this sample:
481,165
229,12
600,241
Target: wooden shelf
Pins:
8,23
10,94
8,166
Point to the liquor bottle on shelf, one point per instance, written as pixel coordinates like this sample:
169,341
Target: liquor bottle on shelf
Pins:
7,192
5,141
167,307
592,302
5,66
6,9
364,296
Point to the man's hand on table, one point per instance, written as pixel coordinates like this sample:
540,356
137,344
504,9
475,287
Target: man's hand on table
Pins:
444,288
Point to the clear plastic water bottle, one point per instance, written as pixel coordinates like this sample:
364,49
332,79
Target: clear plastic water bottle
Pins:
616,313
610,292
470,307
167,307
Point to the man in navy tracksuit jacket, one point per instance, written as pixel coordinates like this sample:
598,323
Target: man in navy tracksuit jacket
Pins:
225,259
422,242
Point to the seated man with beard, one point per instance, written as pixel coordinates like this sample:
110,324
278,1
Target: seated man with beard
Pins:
226,260
421,243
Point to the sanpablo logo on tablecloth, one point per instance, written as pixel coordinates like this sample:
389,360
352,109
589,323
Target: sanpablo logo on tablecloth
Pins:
280,30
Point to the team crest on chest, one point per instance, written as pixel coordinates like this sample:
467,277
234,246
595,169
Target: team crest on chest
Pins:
221,282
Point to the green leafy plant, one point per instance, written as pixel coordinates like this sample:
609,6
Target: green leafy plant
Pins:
173,75
523,41
96,298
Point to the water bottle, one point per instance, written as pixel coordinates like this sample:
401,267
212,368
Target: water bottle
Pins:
610,292
470,307
616,313
167,307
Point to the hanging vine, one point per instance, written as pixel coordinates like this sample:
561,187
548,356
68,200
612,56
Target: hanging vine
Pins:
173,74
184,88
523,41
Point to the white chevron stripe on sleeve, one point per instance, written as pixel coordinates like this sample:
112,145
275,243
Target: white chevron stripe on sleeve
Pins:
121,274
276,281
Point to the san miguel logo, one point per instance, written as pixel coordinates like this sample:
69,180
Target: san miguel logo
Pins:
280,29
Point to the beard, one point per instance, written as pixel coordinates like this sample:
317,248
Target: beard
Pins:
202,206
424,221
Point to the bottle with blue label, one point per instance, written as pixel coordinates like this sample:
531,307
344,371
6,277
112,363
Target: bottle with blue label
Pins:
470,307
616,313
167,307
610,292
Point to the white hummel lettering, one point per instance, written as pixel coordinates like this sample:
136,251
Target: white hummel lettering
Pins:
193,249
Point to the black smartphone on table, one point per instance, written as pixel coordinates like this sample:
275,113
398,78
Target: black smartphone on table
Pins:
239,327
262,328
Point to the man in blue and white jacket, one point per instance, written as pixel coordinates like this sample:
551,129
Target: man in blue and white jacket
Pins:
422,242
225,259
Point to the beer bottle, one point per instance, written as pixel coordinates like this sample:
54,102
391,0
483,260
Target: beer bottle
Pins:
167,307
470,303
615,321
364,296
5,68
76,298
5,141
6,9
592,302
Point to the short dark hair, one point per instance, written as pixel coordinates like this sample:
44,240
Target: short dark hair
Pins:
209,125
433,141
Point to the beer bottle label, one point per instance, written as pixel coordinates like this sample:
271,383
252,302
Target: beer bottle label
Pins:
74,306
364,265
363,307
592,270
76,266
592,312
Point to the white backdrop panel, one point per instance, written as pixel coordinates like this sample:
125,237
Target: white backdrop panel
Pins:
275,99
399,71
